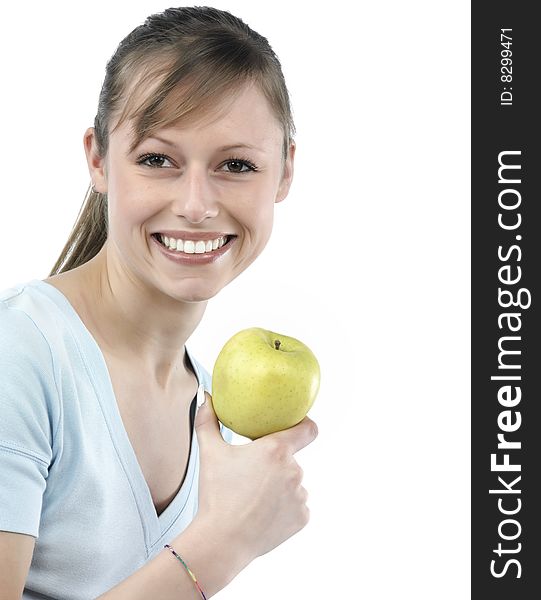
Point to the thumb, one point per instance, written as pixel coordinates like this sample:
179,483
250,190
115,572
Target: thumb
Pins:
206,422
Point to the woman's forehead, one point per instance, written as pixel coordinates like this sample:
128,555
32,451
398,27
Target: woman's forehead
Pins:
242,110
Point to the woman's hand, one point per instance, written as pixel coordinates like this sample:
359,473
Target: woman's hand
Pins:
252,493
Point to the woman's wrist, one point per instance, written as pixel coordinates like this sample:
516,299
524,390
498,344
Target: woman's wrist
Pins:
214,556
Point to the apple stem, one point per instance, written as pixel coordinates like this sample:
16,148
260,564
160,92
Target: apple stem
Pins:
277,344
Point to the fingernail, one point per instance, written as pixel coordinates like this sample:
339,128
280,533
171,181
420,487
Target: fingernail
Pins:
201,396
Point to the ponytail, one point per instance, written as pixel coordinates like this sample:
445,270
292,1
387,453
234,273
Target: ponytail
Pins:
88,234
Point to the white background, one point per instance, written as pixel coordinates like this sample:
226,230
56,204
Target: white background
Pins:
368,263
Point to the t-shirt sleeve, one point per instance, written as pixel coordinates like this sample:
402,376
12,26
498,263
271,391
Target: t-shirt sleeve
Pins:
27,391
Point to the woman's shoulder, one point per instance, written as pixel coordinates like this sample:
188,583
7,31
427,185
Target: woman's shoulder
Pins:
19,306
28,392
20,335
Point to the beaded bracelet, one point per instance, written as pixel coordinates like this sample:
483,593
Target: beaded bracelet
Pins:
187,569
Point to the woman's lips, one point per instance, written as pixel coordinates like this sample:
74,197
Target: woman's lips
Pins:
196,258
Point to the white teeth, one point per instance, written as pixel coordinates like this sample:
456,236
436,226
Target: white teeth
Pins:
192,246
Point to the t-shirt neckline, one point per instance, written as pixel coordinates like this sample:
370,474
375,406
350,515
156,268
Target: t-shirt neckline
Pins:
154,526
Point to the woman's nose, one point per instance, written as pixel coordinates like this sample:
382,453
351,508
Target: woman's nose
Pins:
194,197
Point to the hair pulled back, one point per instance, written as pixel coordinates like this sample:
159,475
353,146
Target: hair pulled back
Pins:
177,65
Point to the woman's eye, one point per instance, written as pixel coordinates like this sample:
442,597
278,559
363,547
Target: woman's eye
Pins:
153,160
159,161
236,165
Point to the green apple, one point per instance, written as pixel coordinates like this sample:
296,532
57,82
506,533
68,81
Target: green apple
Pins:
263,382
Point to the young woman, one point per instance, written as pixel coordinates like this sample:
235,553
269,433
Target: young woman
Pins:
100,468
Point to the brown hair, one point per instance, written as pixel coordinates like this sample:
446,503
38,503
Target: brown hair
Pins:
187,57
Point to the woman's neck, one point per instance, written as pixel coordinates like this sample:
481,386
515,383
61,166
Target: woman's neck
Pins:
130,320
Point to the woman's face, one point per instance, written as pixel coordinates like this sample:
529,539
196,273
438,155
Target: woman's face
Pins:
200,184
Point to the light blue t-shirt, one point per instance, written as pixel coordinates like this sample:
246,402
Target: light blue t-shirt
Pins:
68,473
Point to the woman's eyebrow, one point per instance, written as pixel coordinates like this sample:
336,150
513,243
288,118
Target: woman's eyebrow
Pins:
235,146
240,145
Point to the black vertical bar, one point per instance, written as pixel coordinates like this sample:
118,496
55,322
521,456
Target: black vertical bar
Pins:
506,273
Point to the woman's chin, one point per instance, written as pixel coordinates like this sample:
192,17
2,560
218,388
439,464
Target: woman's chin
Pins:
196,292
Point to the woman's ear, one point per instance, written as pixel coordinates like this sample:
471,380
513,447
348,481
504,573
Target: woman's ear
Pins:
287,174
96,164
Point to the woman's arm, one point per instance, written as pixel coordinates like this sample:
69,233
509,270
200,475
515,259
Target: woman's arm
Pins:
250,501
16,551
213,559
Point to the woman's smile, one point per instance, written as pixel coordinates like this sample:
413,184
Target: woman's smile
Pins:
194,249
